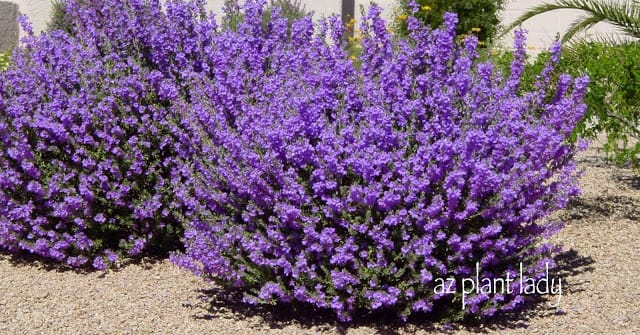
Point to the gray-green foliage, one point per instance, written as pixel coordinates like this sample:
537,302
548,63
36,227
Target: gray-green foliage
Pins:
4,61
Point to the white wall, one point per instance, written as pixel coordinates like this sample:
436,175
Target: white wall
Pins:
319,7
542,29
36,10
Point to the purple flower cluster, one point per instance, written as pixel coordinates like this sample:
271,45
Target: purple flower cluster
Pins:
350,187
298,174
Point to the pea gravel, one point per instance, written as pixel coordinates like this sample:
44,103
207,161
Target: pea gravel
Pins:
600,270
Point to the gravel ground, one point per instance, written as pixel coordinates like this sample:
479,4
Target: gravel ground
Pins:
598,270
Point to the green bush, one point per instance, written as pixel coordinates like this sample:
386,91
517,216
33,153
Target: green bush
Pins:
480,17
291,9
4,61
613,102
613,97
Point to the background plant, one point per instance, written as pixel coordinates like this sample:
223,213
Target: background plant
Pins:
4,61
479,17
613,97
290,9
354,188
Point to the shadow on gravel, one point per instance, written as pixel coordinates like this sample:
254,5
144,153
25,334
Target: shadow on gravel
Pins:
570,266
598,161
226,304
26,259
603,206
631,180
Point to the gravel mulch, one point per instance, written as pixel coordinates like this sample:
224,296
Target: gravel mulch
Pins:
600,272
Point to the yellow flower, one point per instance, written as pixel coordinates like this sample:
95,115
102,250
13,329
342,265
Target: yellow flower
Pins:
402,17
481,43
494,52
426,8
352,57
475,30
351,22
463,37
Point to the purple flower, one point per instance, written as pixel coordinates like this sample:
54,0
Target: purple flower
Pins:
98,263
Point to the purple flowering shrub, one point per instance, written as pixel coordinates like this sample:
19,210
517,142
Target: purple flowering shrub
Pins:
355,188
296,175
91,146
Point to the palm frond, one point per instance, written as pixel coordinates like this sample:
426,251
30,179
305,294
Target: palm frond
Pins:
579,25
624,15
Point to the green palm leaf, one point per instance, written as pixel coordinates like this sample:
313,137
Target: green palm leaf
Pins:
624,15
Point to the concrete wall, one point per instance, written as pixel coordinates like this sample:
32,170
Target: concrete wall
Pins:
8,26
542,29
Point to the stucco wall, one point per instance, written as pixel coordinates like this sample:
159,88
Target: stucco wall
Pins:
542,29
8,26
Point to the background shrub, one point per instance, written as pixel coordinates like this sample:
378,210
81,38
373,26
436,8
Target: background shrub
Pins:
352,188
291,9
613,96
472,15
